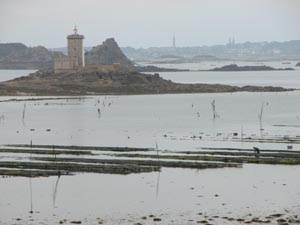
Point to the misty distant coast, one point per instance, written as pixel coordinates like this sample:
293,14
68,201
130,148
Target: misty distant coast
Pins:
20,56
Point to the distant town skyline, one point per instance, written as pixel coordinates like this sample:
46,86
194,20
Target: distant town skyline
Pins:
142,23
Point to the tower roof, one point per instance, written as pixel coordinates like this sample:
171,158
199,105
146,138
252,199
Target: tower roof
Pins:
75,34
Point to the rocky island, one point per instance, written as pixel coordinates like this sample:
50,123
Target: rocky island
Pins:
152,69
234,67
119,81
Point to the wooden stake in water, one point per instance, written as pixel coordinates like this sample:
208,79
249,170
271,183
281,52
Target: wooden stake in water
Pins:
260,117
55,190
54,154
31,204
24,110
213,104
99,112
156,146
242,135
158,178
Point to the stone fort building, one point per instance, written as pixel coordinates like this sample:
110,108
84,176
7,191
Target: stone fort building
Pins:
75,58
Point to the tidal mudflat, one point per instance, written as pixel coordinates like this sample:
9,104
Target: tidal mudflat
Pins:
254,194
151,159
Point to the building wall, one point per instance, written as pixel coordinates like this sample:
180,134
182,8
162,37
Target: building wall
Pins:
75,58
66,63
75,49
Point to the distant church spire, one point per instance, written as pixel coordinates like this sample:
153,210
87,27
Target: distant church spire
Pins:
231,41
174,41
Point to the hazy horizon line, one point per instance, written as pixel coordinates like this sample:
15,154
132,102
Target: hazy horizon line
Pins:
161,46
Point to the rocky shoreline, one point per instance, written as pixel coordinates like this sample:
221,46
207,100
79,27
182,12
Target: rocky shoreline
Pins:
89,81
284,218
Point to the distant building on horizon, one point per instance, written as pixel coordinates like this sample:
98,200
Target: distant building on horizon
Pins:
231,41
75,57
174,41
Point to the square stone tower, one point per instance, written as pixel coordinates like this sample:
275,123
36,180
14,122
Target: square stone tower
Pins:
75,48
75,58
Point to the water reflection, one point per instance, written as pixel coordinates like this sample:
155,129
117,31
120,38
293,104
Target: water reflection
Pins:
55,190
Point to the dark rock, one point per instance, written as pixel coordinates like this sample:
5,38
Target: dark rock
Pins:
231,219
75,222
157,219
107,54
203,221
298,64
276,215
157,69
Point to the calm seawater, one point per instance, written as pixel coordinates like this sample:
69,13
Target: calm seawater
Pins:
11,74
287,79
140,121
171,121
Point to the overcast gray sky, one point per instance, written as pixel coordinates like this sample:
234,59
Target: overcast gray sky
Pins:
145,23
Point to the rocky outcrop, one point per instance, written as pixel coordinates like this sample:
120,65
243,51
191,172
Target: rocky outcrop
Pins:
151,69
234,67
10,48
107,54
19,56
99,82
298,64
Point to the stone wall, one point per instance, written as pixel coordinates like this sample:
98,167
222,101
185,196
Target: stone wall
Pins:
65,63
